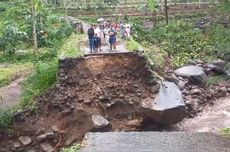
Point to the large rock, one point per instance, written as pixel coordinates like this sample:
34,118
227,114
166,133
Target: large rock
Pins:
17,144
25,140
204,22
46,147
99,122
154,142
45,136
216,69
168,107
194,73
219,63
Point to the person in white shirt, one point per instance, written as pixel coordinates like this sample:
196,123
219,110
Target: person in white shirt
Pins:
106,31
127,31
98,32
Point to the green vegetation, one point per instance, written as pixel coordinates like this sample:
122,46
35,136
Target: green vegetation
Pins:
17,50
40,81
10,72
74,148
132,45
153,53
225,7
91,20
225,132
72,46
216,79
6,118
183,41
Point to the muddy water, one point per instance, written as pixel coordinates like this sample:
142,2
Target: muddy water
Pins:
212,119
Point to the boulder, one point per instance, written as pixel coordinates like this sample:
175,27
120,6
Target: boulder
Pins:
204,22
227,72
219,63
46,136
46,147
216,69
17,144
168,107
181,84
25,140
196,91
99,121
194,73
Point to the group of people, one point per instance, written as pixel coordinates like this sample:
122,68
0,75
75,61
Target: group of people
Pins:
107,32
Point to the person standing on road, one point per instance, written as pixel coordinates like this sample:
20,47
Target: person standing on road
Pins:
106,31
112,38
98,32
127,31
91,38
97,42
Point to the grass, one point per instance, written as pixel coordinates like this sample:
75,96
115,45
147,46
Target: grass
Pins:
43,78
4,4
225,7
72,47
132,45
74,148
216,79
152,52
11,71
225,132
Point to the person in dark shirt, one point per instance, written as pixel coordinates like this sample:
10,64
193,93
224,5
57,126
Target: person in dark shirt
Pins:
97,42
91,38
112,39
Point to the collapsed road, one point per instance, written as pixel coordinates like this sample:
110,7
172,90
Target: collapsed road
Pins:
106,92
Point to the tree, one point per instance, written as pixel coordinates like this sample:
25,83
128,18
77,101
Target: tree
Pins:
166,12
34,23
152,7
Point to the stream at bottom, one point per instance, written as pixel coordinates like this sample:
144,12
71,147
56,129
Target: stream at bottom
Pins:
212,119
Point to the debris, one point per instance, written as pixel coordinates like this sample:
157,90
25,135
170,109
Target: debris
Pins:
25,140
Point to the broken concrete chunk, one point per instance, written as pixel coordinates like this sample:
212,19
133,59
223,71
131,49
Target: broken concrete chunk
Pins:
168,107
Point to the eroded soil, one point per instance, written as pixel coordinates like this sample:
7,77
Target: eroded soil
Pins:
111,86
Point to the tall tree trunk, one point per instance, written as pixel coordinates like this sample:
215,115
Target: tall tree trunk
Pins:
34,23
166,12
155,18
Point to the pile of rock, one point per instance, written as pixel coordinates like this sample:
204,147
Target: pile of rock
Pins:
27,144
192,81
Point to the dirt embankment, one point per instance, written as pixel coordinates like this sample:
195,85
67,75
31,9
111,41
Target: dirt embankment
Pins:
99,93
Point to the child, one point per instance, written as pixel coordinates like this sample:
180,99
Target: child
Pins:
97,42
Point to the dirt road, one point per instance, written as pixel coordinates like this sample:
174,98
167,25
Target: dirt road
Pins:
10,95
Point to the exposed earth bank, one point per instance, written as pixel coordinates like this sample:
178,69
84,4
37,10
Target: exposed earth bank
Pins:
113,92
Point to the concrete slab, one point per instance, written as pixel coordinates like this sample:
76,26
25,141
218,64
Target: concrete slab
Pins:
106,53
154,142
